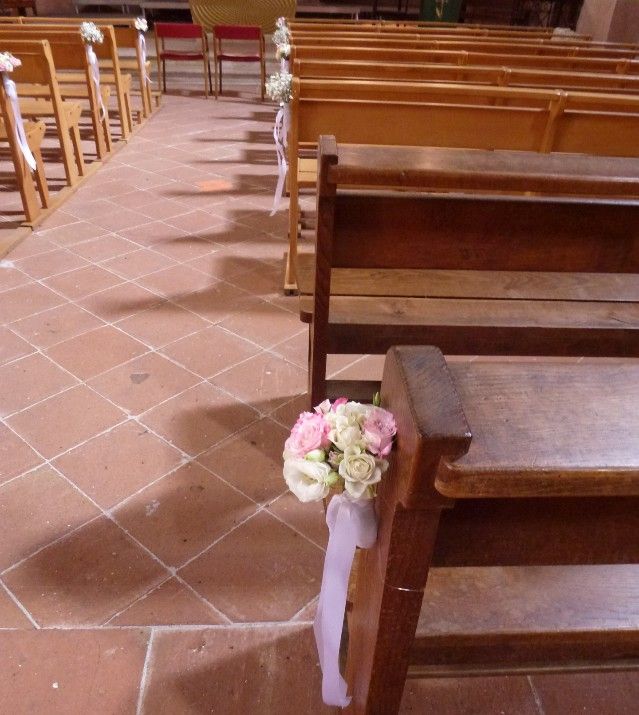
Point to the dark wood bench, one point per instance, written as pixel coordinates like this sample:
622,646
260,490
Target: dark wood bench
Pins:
500,466
448,247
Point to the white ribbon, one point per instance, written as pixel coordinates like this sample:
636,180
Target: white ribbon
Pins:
351,523
95,76
21,137
280,135
142,47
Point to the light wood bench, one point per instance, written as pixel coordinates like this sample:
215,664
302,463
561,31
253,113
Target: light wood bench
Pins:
446,247
72,65
34,132
468,74
359,53
439,114
499,467
38,70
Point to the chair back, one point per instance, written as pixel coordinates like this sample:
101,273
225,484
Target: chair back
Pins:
178,30
237,32
210,13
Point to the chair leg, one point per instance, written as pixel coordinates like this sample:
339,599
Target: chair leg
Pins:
208,62
219,74
206,79
164,76
77,149
262,77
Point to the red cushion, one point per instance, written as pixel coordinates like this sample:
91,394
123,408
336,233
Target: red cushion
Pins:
239,58
181,56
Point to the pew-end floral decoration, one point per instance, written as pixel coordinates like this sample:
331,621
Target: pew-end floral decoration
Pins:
340,446
140,24
91,33
279,87
8,62
283,51
282,34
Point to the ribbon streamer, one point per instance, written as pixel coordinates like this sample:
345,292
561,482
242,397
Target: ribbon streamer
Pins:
142,47
351,523
95,76
280,135
21,137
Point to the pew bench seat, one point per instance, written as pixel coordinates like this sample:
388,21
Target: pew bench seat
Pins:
508,524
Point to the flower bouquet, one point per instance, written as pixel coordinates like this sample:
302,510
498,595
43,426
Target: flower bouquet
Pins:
91,33
340,447
8,62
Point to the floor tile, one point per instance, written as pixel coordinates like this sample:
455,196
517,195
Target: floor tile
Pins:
169,604
95,351
16,456
180,515
12,346
264,324
119,302
194,222
120,219
78,414
587,693
29,247
37,509
26,300
70,234
142,383
199,418
44,265
162,324
176,281
10,276
29,380
261,571
454,696
10,615
234,671
82,282
258,449
103,248
308,519
55,325
209,351
136,263
265,381
69,672
217,302
114,465
85,578
162,209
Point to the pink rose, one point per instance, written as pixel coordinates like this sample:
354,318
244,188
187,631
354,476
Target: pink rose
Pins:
309,432
339,401
379,429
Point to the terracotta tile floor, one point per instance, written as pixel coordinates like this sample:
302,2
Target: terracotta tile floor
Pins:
150,558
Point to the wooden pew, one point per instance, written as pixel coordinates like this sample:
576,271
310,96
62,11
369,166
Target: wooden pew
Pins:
359,53
447,247
72,66
38,69
468,74
552,49
498,467
34,132
437,114
126,37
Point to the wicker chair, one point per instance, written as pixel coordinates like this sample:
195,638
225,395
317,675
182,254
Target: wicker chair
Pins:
241,12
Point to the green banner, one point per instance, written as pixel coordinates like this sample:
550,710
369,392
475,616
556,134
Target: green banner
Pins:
440,10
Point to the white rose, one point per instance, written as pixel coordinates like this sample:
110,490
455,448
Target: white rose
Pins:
360,470
307,480
346,436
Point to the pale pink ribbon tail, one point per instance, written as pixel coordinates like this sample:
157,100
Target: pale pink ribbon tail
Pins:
95,76
280,136
351,523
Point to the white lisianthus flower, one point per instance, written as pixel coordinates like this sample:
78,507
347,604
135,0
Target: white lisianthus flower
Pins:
141,24
306,479
346,425
360,471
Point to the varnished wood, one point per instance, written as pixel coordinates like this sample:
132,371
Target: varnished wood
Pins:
472,272
448,620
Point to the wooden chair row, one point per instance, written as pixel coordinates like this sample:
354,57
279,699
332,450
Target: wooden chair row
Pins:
499,467
450,248
450,115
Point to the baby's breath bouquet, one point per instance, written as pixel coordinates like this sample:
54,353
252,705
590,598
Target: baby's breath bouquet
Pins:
278,87
91,33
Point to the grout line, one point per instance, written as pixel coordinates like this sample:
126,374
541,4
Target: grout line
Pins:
538,701
145,672
303,608
19,605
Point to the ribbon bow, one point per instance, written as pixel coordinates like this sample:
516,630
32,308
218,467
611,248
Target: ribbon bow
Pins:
21,137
